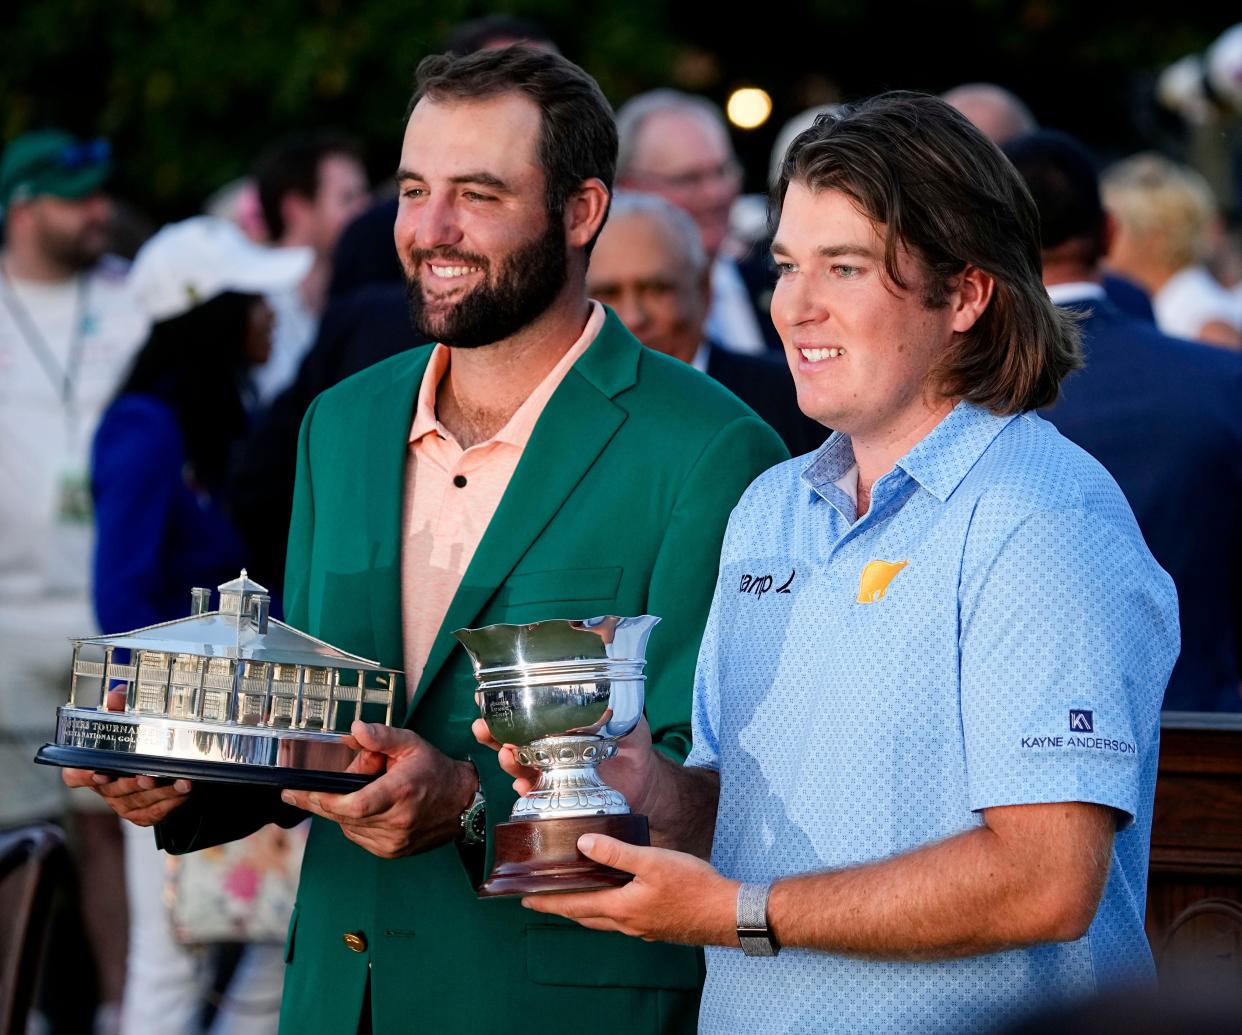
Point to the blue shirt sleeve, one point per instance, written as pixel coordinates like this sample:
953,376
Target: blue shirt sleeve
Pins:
1068,636
136,470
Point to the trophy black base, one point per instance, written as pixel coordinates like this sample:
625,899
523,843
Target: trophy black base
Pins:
540,856
124,763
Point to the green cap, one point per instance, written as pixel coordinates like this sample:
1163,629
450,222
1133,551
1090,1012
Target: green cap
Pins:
52,162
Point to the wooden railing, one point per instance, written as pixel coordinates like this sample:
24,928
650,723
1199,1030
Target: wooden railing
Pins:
1194,891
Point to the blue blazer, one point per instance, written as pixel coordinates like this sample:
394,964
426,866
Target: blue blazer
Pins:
1164,416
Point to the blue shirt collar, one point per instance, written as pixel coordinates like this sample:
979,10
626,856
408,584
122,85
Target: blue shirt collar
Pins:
938,462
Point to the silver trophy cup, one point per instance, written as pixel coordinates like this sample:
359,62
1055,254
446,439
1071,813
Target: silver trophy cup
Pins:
563,693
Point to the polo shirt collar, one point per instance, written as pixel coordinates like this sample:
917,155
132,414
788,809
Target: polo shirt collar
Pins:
941,460
938,462
828,466
425,421
1076,292
516,431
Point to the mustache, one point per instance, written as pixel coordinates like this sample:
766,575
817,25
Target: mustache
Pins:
440,256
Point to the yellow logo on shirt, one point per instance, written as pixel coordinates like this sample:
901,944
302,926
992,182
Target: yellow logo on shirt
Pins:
876,576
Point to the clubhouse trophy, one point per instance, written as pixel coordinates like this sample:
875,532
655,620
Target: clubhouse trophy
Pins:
230,696
563,692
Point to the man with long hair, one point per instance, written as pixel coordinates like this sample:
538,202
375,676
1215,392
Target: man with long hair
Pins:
927,699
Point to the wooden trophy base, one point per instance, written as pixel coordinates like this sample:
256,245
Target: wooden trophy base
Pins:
539,856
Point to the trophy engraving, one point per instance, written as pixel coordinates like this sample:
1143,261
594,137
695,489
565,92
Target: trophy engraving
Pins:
563,692
231,695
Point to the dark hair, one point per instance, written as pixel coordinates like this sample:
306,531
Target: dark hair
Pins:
291,166
937,186
481,33
1061,176
577,133
196,364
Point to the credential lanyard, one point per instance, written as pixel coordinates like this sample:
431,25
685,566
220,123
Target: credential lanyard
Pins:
64,381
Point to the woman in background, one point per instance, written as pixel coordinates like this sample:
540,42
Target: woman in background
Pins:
1167,228
160,466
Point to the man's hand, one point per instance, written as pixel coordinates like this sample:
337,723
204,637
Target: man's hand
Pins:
414,806
144,800
673,897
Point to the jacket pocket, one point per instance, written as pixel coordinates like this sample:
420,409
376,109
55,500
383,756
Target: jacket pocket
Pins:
569,584
563,955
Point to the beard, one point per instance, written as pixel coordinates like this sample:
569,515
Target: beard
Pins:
525,284
72,233
76,251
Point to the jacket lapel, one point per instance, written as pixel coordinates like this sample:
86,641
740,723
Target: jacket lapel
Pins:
575,426
389,433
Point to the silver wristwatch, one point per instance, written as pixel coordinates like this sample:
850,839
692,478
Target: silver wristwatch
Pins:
473,820
752,920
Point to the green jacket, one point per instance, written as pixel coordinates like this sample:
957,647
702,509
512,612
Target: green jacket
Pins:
618,506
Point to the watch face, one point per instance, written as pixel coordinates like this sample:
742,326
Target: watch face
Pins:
474,823
478,823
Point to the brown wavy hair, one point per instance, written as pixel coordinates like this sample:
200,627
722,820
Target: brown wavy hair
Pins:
931,182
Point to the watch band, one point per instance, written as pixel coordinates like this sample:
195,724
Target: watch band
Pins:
752,920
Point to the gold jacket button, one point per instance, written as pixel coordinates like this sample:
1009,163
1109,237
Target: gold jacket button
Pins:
355,940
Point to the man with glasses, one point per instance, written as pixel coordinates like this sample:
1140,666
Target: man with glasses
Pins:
67,332
677,146
650,267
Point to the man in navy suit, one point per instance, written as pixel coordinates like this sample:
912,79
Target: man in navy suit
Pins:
1163,415
650,266
677,145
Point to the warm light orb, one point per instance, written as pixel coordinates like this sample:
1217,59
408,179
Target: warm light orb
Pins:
749,107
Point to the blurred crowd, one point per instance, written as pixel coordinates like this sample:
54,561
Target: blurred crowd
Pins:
149,413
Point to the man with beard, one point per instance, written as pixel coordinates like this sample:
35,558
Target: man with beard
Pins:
537,463
67,332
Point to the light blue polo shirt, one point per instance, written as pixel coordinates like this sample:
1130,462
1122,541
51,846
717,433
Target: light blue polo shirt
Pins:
992,632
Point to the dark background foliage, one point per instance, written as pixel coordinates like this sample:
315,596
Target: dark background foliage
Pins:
190,92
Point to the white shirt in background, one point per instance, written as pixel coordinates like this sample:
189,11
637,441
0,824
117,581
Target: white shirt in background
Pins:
292,336
1191,299
731,321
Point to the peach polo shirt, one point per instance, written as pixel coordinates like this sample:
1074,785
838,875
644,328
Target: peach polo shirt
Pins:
451,495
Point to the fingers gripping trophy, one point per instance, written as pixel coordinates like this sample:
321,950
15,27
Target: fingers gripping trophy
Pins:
563,692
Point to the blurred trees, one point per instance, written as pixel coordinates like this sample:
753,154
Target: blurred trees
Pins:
191,91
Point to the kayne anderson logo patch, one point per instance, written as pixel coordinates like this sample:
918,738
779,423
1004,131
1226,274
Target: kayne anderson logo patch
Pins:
875,579
760,584
1081,721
